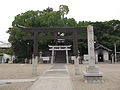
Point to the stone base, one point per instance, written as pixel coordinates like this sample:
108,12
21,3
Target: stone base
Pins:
92,69
92,75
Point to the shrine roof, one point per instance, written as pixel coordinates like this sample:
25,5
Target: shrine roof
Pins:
98,46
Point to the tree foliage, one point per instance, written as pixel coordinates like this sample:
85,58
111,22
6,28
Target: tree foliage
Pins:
106,33
7,51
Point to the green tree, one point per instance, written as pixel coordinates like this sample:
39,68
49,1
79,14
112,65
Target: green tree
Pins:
83,23
63,10
106,33
7,51
70,22
46,18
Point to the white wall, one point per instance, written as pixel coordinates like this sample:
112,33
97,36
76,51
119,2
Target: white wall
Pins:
105,55
6,56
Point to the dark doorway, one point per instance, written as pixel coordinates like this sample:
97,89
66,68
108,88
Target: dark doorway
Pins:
60,57
100,58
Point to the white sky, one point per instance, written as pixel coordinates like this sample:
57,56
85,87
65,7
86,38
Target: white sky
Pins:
81,10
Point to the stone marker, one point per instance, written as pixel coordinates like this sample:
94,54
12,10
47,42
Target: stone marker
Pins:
92,73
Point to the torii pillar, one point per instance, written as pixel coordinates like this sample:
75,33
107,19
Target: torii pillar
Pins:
35,53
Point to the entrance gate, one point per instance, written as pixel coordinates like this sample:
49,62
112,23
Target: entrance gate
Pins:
74,36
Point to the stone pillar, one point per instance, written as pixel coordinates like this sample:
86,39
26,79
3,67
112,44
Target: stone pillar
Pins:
52,59
76,62
34,65
91,50
92,73
67,56
112,58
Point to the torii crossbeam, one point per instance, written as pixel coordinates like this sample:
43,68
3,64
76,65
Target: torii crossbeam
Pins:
75,36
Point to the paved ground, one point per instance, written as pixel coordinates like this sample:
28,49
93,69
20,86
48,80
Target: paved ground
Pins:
111,76
55,78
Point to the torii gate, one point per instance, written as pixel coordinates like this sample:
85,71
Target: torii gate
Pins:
75,36
59,48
